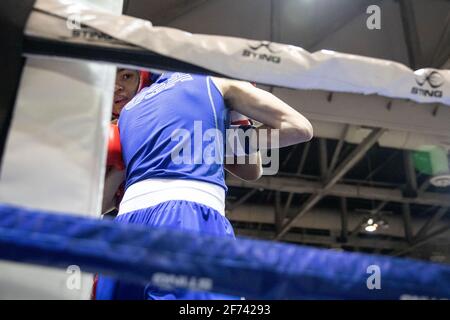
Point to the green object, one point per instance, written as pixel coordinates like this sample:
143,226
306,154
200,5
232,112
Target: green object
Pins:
431,160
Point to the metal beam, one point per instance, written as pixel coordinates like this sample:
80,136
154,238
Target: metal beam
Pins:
424,186
336,25
288,157
303,186
323,222
242,200
442,49
299,171
357,228
337,150
344,220
354,157
407,222
340,171
446,64
425,240
383,165
380,207
411,35
381,244
430,223
410,174
323,158
279,213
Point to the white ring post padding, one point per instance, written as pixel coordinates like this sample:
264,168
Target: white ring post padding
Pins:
55,155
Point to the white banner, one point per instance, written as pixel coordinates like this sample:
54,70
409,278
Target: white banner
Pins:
262,62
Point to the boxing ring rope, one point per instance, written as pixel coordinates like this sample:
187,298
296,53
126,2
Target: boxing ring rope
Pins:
243,267
126,40
172,259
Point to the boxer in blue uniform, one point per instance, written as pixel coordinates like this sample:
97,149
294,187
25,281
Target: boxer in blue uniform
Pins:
172,137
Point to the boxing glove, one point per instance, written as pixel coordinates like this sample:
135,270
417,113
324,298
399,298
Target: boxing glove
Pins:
114,158
236,144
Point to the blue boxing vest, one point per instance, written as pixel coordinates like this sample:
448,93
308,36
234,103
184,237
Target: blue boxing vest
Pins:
175,129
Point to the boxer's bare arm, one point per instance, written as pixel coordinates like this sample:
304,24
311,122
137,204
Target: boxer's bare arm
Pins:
250,171
266,108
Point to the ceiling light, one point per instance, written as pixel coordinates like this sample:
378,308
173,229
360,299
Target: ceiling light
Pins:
371,228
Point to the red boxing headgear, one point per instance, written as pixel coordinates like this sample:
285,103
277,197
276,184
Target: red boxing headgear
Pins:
144,80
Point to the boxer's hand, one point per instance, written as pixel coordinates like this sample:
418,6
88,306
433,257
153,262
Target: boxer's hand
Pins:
245,162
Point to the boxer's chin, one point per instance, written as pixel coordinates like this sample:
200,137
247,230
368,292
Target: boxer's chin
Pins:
118,106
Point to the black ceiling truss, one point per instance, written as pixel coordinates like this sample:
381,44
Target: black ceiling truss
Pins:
347,163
